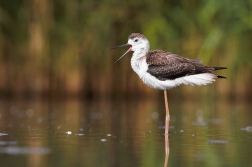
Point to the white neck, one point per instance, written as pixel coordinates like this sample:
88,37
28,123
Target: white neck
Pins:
141,52
141,48
138,59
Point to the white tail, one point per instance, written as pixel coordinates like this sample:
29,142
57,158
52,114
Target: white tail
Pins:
200,79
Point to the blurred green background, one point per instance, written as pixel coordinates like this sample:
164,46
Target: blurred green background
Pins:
60,48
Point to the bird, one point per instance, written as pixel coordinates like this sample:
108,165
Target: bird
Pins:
164,70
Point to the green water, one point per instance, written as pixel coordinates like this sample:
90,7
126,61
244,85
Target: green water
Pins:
124,133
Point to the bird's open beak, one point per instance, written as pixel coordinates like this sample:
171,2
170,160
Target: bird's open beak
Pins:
125,52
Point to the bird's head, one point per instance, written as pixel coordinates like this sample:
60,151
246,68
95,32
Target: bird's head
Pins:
137,43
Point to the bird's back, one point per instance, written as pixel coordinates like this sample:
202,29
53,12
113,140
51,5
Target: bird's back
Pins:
165,65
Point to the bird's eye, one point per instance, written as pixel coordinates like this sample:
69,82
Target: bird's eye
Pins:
136,40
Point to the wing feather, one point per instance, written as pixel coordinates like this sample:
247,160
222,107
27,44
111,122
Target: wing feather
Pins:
165,65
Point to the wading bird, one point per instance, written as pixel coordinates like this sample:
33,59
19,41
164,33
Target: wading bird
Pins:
164,70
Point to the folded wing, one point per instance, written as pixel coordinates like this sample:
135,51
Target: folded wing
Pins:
165,65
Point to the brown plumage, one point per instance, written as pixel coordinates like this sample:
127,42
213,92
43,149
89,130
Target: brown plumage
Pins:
165,65
134,35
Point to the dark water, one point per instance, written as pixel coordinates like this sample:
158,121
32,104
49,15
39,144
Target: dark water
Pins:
124,133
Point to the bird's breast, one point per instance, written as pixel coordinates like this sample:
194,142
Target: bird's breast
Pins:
139,65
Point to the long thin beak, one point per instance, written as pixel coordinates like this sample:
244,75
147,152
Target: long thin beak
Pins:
125,52
121,46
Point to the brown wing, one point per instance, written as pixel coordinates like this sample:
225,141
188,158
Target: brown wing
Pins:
165,65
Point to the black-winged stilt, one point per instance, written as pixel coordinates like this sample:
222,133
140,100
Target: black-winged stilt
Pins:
164,70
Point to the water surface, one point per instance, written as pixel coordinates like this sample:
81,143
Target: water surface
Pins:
124,133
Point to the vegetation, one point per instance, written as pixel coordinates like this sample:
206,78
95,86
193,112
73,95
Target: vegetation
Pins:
60,48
